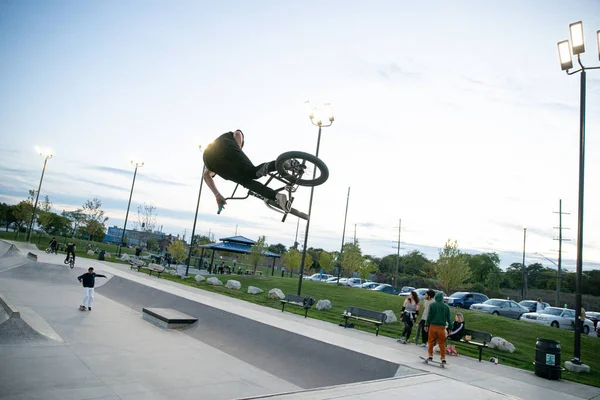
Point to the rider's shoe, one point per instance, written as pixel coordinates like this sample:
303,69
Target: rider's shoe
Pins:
263,170
282,202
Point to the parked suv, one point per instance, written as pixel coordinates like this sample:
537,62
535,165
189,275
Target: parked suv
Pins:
466,299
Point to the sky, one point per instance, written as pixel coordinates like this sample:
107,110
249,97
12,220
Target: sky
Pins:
451,116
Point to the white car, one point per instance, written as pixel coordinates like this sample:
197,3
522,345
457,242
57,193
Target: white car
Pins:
557,317
356,282
334,280
370,285
319,277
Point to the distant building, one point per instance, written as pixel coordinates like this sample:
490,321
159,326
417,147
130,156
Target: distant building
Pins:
133,237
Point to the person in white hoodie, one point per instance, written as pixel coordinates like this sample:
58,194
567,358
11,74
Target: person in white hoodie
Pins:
425,307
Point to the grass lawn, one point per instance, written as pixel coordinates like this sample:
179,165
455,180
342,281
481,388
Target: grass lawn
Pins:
522,334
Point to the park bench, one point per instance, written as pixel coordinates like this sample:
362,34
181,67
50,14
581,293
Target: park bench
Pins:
305,302
360,314
477,338
136,264
159,269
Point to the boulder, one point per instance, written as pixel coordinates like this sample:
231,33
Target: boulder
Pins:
214,281
184,276
172,272
231,284
124,257
254,290
391,317
323,305
200,278
276,294
501,344
90,252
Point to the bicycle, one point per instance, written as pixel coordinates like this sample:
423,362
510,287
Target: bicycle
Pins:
298,164
70,260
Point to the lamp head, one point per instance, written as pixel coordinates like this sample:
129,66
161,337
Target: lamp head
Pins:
576,29
329,112
309,110
564,54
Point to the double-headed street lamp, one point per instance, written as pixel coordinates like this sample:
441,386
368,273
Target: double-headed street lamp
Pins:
577,46
187,268
47,154
315,119
138,164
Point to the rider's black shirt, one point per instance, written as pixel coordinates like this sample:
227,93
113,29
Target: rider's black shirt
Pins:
70,248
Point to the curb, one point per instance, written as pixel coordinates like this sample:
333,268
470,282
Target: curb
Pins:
10,309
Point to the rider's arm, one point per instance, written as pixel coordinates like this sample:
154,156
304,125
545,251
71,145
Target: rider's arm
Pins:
210,182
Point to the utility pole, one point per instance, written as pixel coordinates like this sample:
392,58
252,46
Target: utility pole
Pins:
296,240
398,255
339,266
236,230
560,240
355,234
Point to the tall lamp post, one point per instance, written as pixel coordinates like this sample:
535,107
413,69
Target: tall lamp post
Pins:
343,238
187,268
524,269
137,165
566,62
47,155
315,120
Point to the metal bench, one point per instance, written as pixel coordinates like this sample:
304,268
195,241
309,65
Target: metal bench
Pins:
136,264
305,302
360,314
159,269
477,338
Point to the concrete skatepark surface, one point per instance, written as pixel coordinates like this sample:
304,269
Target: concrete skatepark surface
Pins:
235,350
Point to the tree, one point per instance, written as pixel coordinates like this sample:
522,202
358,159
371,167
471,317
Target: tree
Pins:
351,258
481,265
151,244
94,218
256,253
54,224
325,260
514,275
277,248
452,267
387,265
6,215
45,214
177,250
146,221
22,213
366,269
413,262
77,219
292,259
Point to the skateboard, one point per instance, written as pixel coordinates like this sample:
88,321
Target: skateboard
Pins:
426,361
81,308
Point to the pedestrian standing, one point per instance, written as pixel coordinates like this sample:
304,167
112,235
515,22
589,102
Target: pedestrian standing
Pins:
410,310
424,313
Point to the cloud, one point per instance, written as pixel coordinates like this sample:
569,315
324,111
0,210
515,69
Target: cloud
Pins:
557,106
127,173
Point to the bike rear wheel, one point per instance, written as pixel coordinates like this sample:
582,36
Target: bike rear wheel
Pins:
306,163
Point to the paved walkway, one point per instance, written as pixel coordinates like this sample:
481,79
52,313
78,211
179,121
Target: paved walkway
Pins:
118,354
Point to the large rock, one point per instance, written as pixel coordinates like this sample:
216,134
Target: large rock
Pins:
173,272
323,305
124,257
391,317
276,294
577,368
501,344
200,278
231,284
90,252
254,290
214,281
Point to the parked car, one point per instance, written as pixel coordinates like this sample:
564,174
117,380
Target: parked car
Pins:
370,285
334,280
505,308
385,288
557,317
421,293
356,282
531,305
594,317
319,277
465,299
406,289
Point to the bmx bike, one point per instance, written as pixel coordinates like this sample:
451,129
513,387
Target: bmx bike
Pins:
293,170
70,260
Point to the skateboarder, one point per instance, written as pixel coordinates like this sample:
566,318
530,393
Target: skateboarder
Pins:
88,279
438,319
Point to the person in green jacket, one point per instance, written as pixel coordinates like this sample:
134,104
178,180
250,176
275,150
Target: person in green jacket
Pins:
438,320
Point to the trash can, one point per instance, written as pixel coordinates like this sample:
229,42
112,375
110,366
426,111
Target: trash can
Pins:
101,254
547,359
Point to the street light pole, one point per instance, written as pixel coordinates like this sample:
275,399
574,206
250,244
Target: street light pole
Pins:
343,238
187,268
524,269
137,164
564,52
315,120
46,156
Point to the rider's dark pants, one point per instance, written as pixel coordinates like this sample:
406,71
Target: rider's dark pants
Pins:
231,163
71,253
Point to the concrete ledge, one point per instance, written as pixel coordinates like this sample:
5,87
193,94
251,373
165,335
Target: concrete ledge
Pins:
577,368
167,318
32,256
10,309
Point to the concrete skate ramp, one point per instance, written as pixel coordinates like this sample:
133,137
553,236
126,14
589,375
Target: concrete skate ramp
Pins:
7,249
300,360
41,272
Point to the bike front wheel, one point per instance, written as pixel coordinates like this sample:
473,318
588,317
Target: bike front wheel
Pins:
294,166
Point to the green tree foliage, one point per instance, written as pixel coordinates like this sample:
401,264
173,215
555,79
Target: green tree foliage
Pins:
481,265
387,265
352,258
177,250
22,213
452,267
367,268
77,218
412,263
325,260
514,275
277,248
94,219
256,253
151,244
292,259
6,215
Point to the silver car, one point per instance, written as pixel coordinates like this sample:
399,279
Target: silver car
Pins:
557,317
502,307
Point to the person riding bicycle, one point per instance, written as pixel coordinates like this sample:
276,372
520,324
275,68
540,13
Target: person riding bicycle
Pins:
70,251
224,157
